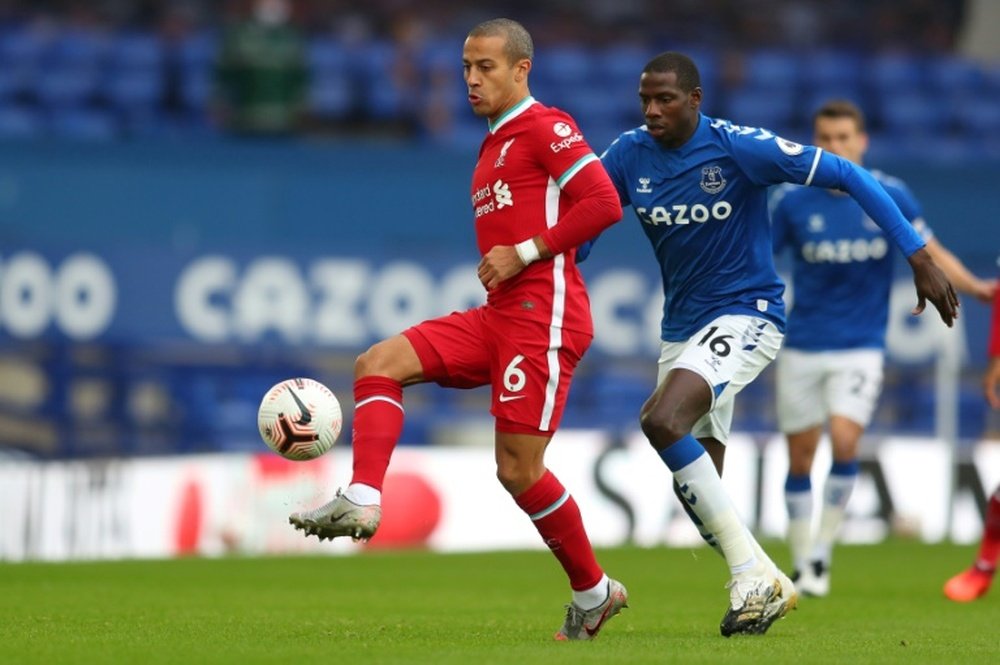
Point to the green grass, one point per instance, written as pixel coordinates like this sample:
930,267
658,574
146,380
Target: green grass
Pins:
886,607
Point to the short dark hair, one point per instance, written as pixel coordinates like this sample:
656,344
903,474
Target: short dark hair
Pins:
841,108
518,44
688,77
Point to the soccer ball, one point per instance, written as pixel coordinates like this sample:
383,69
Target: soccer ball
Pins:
299,419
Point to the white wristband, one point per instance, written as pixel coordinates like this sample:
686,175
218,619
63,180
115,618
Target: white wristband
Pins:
527,251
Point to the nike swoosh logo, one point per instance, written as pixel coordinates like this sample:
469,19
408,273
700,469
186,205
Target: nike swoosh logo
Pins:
511,398
600,622
306,416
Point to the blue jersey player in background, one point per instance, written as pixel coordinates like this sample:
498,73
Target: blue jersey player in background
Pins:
830,369
698,187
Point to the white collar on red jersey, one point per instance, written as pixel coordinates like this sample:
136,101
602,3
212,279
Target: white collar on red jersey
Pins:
511,113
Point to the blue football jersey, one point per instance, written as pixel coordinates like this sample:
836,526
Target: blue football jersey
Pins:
703,207
842,265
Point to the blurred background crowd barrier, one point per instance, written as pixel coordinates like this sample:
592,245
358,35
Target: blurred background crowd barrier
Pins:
198,199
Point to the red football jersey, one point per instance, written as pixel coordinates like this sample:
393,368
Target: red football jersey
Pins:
526,160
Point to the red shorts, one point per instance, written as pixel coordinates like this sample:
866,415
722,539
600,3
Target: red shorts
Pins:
528,364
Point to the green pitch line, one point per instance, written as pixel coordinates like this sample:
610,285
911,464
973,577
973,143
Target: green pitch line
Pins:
886,606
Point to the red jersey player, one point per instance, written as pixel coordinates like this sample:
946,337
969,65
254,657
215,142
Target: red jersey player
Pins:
975,581
538,191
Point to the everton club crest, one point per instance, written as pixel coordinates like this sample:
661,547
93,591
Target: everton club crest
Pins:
712,181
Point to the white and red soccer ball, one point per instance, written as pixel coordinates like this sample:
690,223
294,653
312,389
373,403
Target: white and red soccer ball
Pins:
299,419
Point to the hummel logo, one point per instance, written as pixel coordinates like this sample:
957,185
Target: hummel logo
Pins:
306,416
690,497
510,398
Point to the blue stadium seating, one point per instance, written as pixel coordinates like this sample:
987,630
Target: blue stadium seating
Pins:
88,124
771,70
18,121
832,69
330,95
327,57
141,82
774,109
565,67
978,116
914,114
67,84
951,75
136,51
384,98
890,73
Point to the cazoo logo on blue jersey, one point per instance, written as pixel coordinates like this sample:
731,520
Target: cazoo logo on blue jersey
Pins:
682,213
845,251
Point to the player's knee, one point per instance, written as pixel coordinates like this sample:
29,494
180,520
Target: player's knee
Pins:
661,428
513,479
367,363
379,360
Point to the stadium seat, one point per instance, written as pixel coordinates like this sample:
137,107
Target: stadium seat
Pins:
330,95
198,50
20,61
590,105
890,73
134,51
88,124
195,58
135,90
619,63
831,70
754,107
328,57
23,45
384,96
67,84
953,75
332,76
565,66
196,85
772,70
79,48
914,114
134,80
20,122
978,116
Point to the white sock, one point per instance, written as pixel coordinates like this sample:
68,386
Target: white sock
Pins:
800,509
836,493
708,499
758,551
590,598
363,495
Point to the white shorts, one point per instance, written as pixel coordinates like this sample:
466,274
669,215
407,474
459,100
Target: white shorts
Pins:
813,385
728,353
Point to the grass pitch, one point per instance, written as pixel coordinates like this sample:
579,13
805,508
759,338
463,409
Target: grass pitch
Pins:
886,607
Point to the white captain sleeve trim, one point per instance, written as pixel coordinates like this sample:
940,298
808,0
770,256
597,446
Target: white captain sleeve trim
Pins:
815,165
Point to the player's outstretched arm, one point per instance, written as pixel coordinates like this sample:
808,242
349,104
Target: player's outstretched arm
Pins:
931,283
956,272
934,286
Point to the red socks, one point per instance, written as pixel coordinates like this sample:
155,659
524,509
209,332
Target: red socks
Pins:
378,422
990,547
557,518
